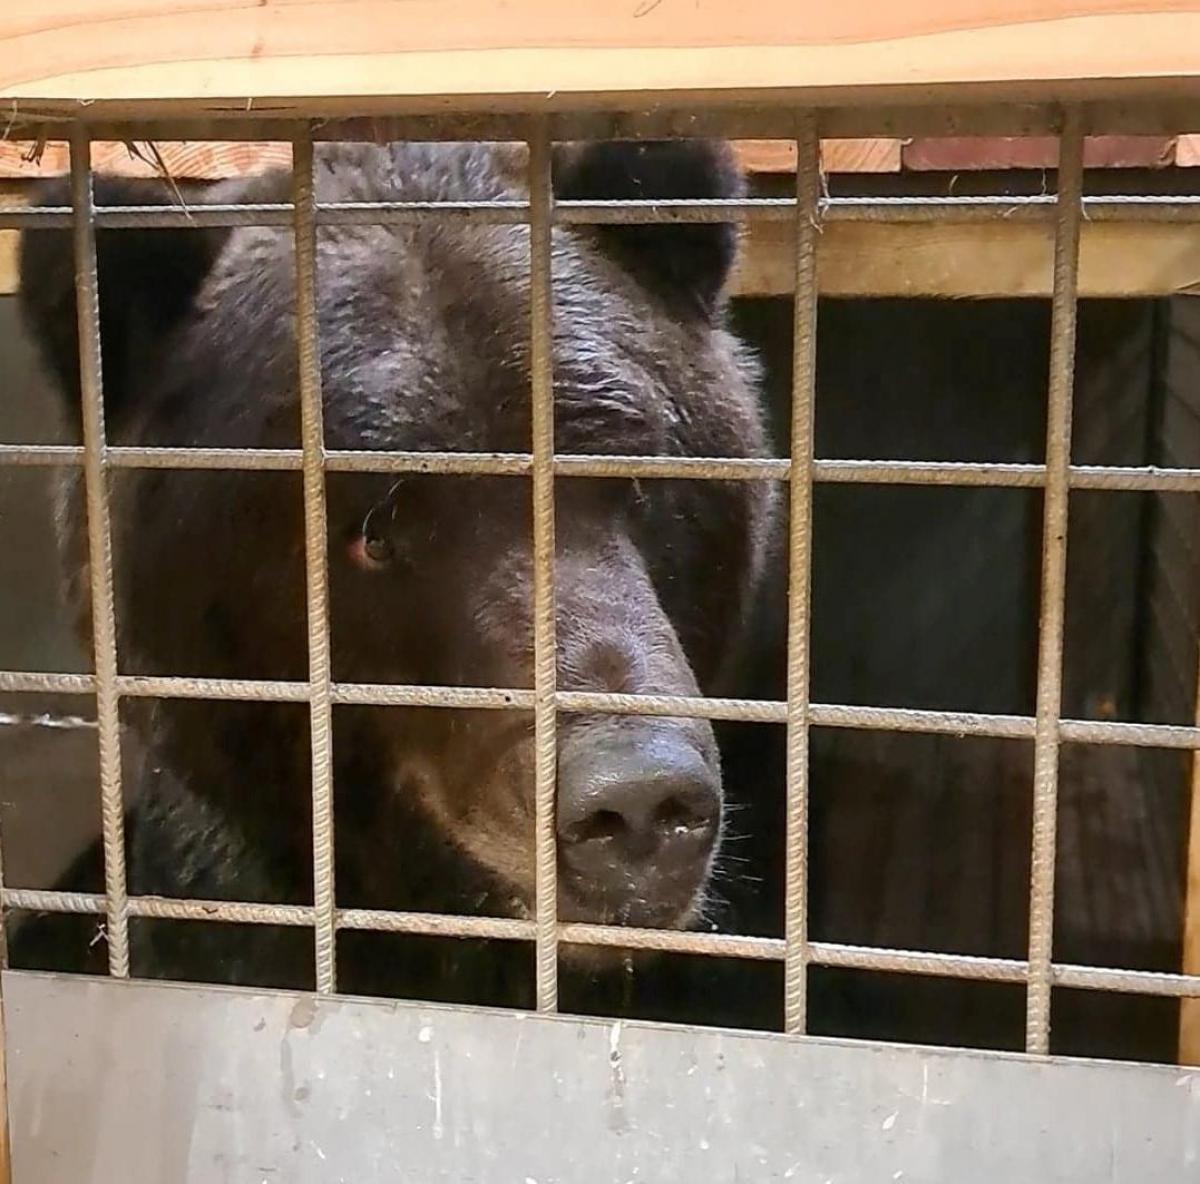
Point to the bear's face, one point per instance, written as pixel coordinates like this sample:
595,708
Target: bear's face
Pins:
450,562
424,334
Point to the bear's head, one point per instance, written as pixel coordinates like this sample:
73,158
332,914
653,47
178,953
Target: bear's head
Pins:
425,346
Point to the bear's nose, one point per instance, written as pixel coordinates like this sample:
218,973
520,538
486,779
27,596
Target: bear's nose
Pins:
628,811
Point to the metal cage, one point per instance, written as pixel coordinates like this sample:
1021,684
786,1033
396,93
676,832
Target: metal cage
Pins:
691,1103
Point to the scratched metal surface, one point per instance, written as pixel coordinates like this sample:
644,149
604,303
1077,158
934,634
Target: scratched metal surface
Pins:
147,1083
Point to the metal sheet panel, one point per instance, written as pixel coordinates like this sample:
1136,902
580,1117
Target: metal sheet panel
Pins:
152,1083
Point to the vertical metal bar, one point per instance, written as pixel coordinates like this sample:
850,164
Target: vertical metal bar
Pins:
541,364
804,371
1054,577
100,560
316,556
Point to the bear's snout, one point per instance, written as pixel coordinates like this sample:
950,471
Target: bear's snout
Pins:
639,818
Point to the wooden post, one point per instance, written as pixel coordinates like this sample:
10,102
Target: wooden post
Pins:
1189,1009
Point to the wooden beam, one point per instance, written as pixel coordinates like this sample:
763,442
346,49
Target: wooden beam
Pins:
9,280
963,260
530,54
1187,152
837,156
217,160
951,260
957,153
191,161
1189,1009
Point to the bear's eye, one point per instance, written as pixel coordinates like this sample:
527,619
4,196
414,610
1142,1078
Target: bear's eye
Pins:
371,546
370,552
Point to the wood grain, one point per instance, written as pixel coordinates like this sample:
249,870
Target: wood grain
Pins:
1187,151
837,156
194,161
9,280
1189,1009
278,52
1005,259
950,154
962,260
216,160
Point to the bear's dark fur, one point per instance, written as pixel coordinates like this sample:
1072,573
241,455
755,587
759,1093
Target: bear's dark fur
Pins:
424,343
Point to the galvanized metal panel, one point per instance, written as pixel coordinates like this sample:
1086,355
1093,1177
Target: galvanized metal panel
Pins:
153,1083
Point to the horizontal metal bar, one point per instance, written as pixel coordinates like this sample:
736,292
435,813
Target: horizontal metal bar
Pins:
668,941
473,698
675,706
931,208
434,924
40,455
1134,478
1083,731
965,966
358,694
906,719
958,473
769,711
992,474
1130,982
761,949
46,682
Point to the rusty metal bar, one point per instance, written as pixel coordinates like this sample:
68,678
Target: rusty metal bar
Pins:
541,369
1054,579
769,949
770,711
990,474
100,558
316,561
804,393
1178,208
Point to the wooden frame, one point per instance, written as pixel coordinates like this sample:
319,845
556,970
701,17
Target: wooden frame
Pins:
154,56
200,59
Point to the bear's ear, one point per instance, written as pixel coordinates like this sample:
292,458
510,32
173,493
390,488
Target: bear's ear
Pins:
687,263
148,280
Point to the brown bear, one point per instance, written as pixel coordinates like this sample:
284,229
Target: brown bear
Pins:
424,345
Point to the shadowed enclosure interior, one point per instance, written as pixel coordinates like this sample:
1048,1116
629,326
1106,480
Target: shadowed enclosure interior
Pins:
1054,516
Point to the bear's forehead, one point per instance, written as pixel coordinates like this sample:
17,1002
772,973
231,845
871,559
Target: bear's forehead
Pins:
434,329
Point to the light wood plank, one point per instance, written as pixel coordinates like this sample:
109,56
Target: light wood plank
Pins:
58,52
1005,259
837,156
1187,151
957,153
193,161
1189,1009
962,260
9,280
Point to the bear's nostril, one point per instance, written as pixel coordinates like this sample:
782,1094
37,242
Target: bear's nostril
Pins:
678,816
603,824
